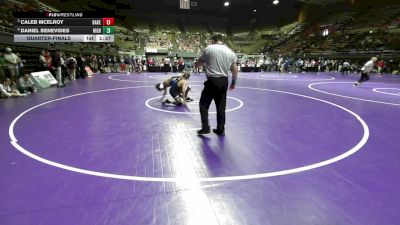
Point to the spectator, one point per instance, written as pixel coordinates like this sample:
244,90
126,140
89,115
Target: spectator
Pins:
64,72
71,67
381,66
49,60
102,64
57,63
93,63
2,63
138,65
11,61
7,90
167,65
42,61
20,65
80,72
128,63
115,64
181,64
25,84
345,68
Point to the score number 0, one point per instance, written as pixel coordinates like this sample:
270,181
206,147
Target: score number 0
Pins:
108,21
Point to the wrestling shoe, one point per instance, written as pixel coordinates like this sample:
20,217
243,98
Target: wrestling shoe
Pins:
167,102
189,99
159,87
356,84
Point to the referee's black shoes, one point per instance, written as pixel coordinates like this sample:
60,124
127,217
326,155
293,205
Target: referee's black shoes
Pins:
219,132
203,131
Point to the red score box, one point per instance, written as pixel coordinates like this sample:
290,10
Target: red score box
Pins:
108,21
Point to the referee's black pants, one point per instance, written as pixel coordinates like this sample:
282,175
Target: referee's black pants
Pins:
214,89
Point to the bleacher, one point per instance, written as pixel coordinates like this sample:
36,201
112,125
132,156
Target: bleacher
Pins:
158,40
349,33
376,18
337,18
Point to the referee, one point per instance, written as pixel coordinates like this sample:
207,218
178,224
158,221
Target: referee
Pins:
218,60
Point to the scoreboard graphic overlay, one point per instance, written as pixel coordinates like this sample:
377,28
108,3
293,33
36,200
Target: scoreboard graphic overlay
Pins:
63,27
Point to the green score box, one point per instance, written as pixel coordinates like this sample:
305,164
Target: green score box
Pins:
108,30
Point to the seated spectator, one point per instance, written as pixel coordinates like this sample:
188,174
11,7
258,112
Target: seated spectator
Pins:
25,84
7,90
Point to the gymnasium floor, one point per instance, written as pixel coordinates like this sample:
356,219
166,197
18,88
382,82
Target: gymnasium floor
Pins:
299,149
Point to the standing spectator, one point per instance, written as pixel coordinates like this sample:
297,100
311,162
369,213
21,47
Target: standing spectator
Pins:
381,66
340,66
280,64
42,61
64,69
11,61
2,63
94,64
219,60
142,64
109,63
20,65
80,72
121,62
57,63
25,84
181,64
195,66
115,64
49,61
299,65
100,64
138,65
71,67
167,65
128,63
345,68
268,65
103,61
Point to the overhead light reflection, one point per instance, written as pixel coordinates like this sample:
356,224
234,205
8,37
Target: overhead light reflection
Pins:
194,199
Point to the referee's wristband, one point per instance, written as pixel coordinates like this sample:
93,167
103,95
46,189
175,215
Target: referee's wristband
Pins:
233,83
